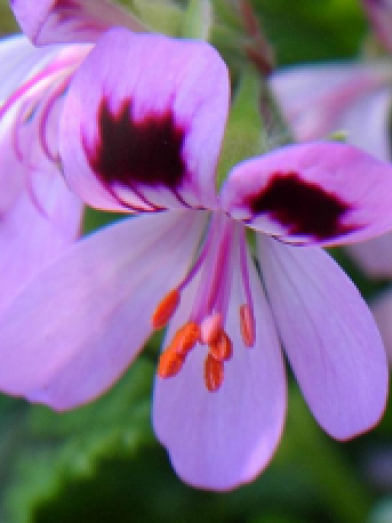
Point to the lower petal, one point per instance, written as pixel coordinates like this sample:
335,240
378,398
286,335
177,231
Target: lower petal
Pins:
219,440
76,328
329,335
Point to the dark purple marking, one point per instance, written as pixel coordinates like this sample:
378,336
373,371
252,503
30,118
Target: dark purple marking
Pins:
304,207
145,153
66,4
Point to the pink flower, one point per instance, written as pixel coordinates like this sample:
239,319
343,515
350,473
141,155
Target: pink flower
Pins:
40,217
141,131
355,98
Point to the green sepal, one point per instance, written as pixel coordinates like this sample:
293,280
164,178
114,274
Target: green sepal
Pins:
161,17
197,20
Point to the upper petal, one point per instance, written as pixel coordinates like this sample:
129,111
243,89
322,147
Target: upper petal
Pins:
219,440
320,193
71,333
54,21
329,335
143,123
321,99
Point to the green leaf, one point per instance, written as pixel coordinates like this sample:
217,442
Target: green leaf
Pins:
59,449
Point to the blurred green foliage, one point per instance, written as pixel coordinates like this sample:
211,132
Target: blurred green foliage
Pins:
102,463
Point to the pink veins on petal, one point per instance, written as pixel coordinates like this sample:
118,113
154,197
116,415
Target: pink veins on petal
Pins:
304,207
38,95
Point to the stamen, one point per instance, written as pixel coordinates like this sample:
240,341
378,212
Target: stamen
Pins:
172,359
247,319
186,338
165,309
247,325
170,363
208,315
213,373
222,349
211,328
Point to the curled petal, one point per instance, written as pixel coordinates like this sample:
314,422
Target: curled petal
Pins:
60,21
39,216
317,193
18,57
329,335
74,330
219,440
143,123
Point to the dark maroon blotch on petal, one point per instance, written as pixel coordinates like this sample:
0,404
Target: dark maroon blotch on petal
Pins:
304,207
137,153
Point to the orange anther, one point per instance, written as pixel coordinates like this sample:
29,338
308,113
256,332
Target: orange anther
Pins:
213,373
170,363
165,309
247,325
186,338
222,349
211,328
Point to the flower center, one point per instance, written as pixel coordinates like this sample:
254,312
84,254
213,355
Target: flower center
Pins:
206,325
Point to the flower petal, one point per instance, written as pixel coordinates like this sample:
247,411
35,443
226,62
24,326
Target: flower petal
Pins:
76,328
54,21
373,256
316,193
321,99
143,123
17,58
219,440
31,237
40,217
329,335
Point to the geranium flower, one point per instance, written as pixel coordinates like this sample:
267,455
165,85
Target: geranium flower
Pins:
353,97
39,215
146,139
